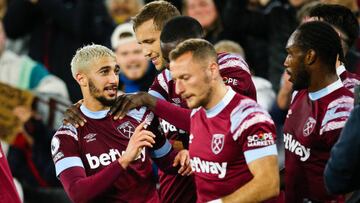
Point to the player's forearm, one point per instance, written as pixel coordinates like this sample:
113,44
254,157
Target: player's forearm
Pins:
264,185
164,158
177,116
257,190
82,189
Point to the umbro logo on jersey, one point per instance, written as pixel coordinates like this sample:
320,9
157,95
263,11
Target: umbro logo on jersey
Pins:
90,137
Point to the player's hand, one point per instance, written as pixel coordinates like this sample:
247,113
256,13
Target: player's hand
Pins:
126,102
183,158
73,116
141,138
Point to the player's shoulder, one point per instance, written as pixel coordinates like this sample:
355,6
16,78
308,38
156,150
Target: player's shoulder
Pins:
161,82
245,114
139,114
336,112
244,105
194,111
232,61
67,130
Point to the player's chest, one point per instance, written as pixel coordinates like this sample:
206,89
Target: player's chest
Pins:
302,123
213,142
101,145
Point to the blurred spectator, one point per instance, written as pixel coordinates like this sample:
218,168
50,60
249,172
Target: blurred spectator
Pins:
3,5
30,160
275,24
122,10
137,73
206,13
264,93
29,157
303,14
57,28
25,73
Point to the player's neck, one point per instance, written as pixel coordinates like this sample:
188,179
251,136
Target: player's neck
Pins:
326,80
93,104
218,93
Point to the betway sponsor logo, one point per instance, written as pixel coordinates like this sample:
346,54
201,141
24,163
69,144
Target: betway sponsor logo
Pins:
262,139
201,166
294,146
105,159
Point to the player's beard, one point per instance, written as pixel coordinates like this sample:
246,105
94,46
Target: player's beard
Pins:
207,95
95,92
302,80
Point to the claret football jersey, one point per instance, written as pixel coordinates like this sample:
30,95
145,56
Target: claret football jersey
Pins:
100,142
312,126
235,73
224,139
350,80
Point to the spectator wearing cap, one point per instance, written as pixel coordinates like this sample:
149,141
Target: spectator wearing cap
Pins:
137,73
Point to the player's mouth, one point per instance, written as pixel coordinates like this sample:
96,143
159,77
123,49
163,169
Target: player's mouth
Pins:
111,90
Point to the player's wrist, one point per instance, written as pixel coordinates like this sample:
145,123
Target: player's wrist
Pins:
148,100
124,162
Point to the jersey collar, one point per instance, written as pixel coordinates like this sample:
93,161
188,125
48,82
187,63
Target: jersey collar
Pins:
340,70
325,91
222,104
93,114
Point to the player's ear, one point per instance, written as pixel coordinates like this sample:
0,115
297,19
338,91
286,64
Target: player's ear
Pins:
81,79
214,70
310,57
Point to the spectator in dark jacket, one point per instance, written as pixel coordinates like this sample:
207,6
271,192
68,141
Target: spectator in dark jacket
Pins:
57,28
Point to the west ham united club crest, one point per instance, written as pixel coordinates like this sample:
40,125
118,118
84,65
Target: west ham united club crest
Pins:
217,143
309,126
126,129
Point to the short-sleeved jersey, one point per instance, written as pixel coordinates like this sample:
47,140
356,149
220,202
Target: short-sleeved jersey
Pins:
235,73
100,142
350,80
224,140
8,191
312,126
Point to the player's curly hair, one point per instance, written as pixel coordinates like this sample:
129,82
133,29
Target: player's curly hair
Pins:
323,39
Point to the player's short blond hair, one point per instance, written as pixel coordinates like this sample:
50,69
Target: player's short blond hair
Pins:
200,49
86,55
158,11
